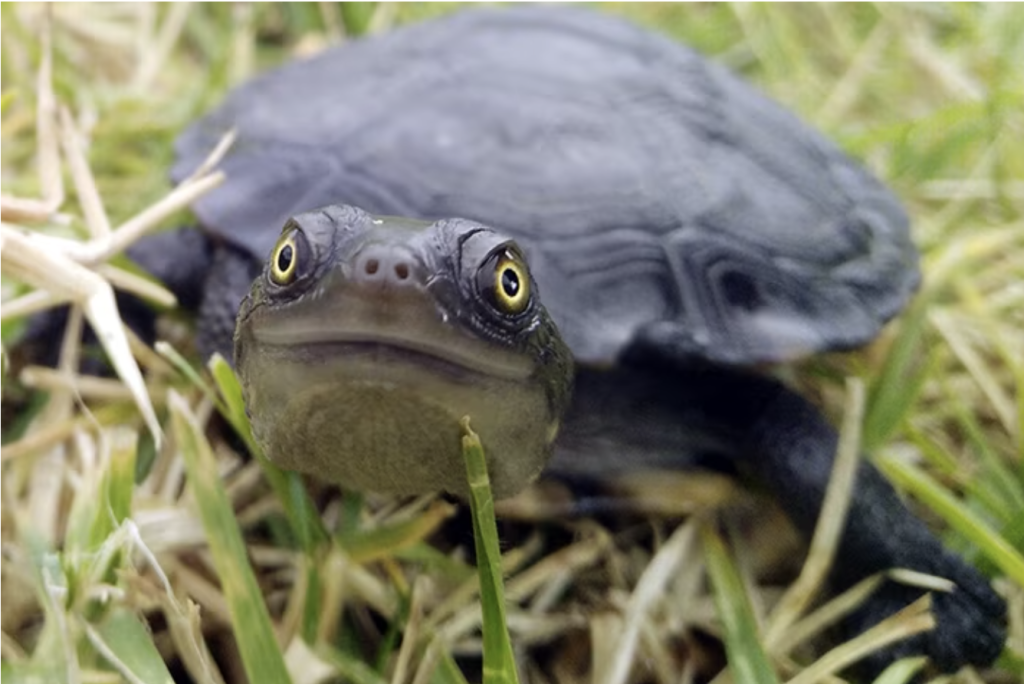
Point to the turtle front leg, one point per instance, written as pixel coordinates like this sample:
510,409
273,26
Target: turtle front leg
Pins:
656,414
792,449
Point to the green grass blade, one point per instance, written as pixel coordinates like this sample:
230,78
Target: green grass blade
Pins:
302,515
995,483
96,513
288,486
357,16
54,658
958,515
182,365
897,386
350,668
128,645
447,672
364,546
902,671
436,563
499,660
747,659
261,655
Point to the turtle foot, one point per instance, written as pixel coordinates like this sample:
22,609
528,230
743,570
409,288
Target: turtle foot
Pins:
970,620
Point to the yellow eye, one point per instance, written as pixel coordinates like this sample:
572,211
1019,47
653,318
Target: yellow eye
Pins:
284,261
511,284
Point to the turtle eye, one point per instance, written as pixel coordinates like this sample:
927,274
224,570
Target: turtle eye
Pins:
505,282
284,261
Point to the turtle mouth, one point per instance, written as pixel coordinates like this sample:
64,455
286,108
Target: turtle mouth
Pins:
375,346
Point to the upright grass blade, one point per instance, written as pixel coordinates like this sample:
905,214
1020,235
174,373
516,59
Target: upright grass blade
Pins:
897,386
831,521
447,672
747,659
261,655
288,486
499,661
96,515
302,515
126,644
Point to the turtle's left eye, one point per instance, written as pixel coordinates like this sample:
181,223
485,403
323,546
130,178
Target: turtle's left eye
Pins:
284,261
505,283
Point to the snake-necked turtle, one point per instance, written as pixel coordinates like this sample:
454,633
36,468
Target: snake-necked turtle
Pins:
678,226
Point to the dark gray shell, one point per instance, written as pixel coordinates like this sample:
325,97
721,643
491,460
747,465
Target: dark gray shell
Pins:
656,194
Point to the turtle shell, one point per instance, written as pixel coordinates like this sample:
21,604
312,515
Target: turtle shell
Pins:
656,195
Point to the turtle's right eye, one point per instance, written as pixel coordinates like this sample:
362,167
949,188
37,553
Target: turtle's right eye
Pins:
284,260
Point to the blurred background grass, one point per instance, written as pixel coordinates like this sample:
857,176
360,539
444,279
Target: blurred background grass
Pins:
931,97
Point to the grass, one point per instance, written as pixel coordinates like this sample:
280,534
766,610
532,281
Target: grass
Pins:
499,664
121,561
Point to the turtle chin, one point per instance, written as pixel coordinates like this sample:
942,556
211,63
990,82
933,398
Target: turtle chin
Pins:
381,417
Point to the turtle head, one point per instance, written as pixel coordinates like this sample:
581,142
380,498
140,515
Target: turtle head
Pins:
366,339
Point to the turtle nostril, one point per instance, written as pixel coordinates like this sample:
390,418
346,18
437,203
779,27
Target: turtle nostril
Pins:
386,265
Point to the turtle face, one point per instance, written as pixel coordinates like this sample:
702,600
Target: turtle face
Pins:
365,340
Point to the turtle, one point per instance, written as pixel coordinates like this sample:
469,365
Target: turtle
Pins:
681,229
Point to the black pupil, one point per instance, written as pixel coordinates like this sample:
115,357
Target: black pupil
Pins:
284,258
510,282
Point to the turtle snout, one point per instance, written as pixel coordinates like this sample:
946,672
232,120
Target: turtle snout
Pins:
387,265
